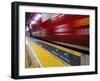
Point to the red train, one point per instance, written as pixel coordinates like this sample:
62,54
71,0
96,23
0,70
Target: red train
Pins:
64,28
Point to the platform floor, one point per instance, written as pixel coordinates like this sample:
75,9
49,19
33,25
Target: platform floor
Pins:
40,53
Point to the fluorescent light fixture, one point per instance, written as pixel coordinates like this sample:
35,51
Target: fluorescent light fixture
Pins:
61,15
38,16
33,22
58,16
63,34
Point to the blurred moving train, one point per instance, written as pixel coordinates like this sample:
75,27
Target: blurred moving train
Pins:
63,28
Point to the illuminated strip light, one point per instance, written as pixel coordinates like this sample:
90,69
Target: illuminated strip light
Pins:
58,16
63,34
38,16
45,17
33,22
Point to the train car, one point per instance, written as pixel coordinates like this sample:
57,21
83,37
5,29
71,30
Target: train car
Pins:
64,28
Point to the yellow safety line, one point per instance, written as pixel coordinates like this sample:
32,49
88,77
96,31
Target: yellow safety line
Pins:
30,60
45,57
64,49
